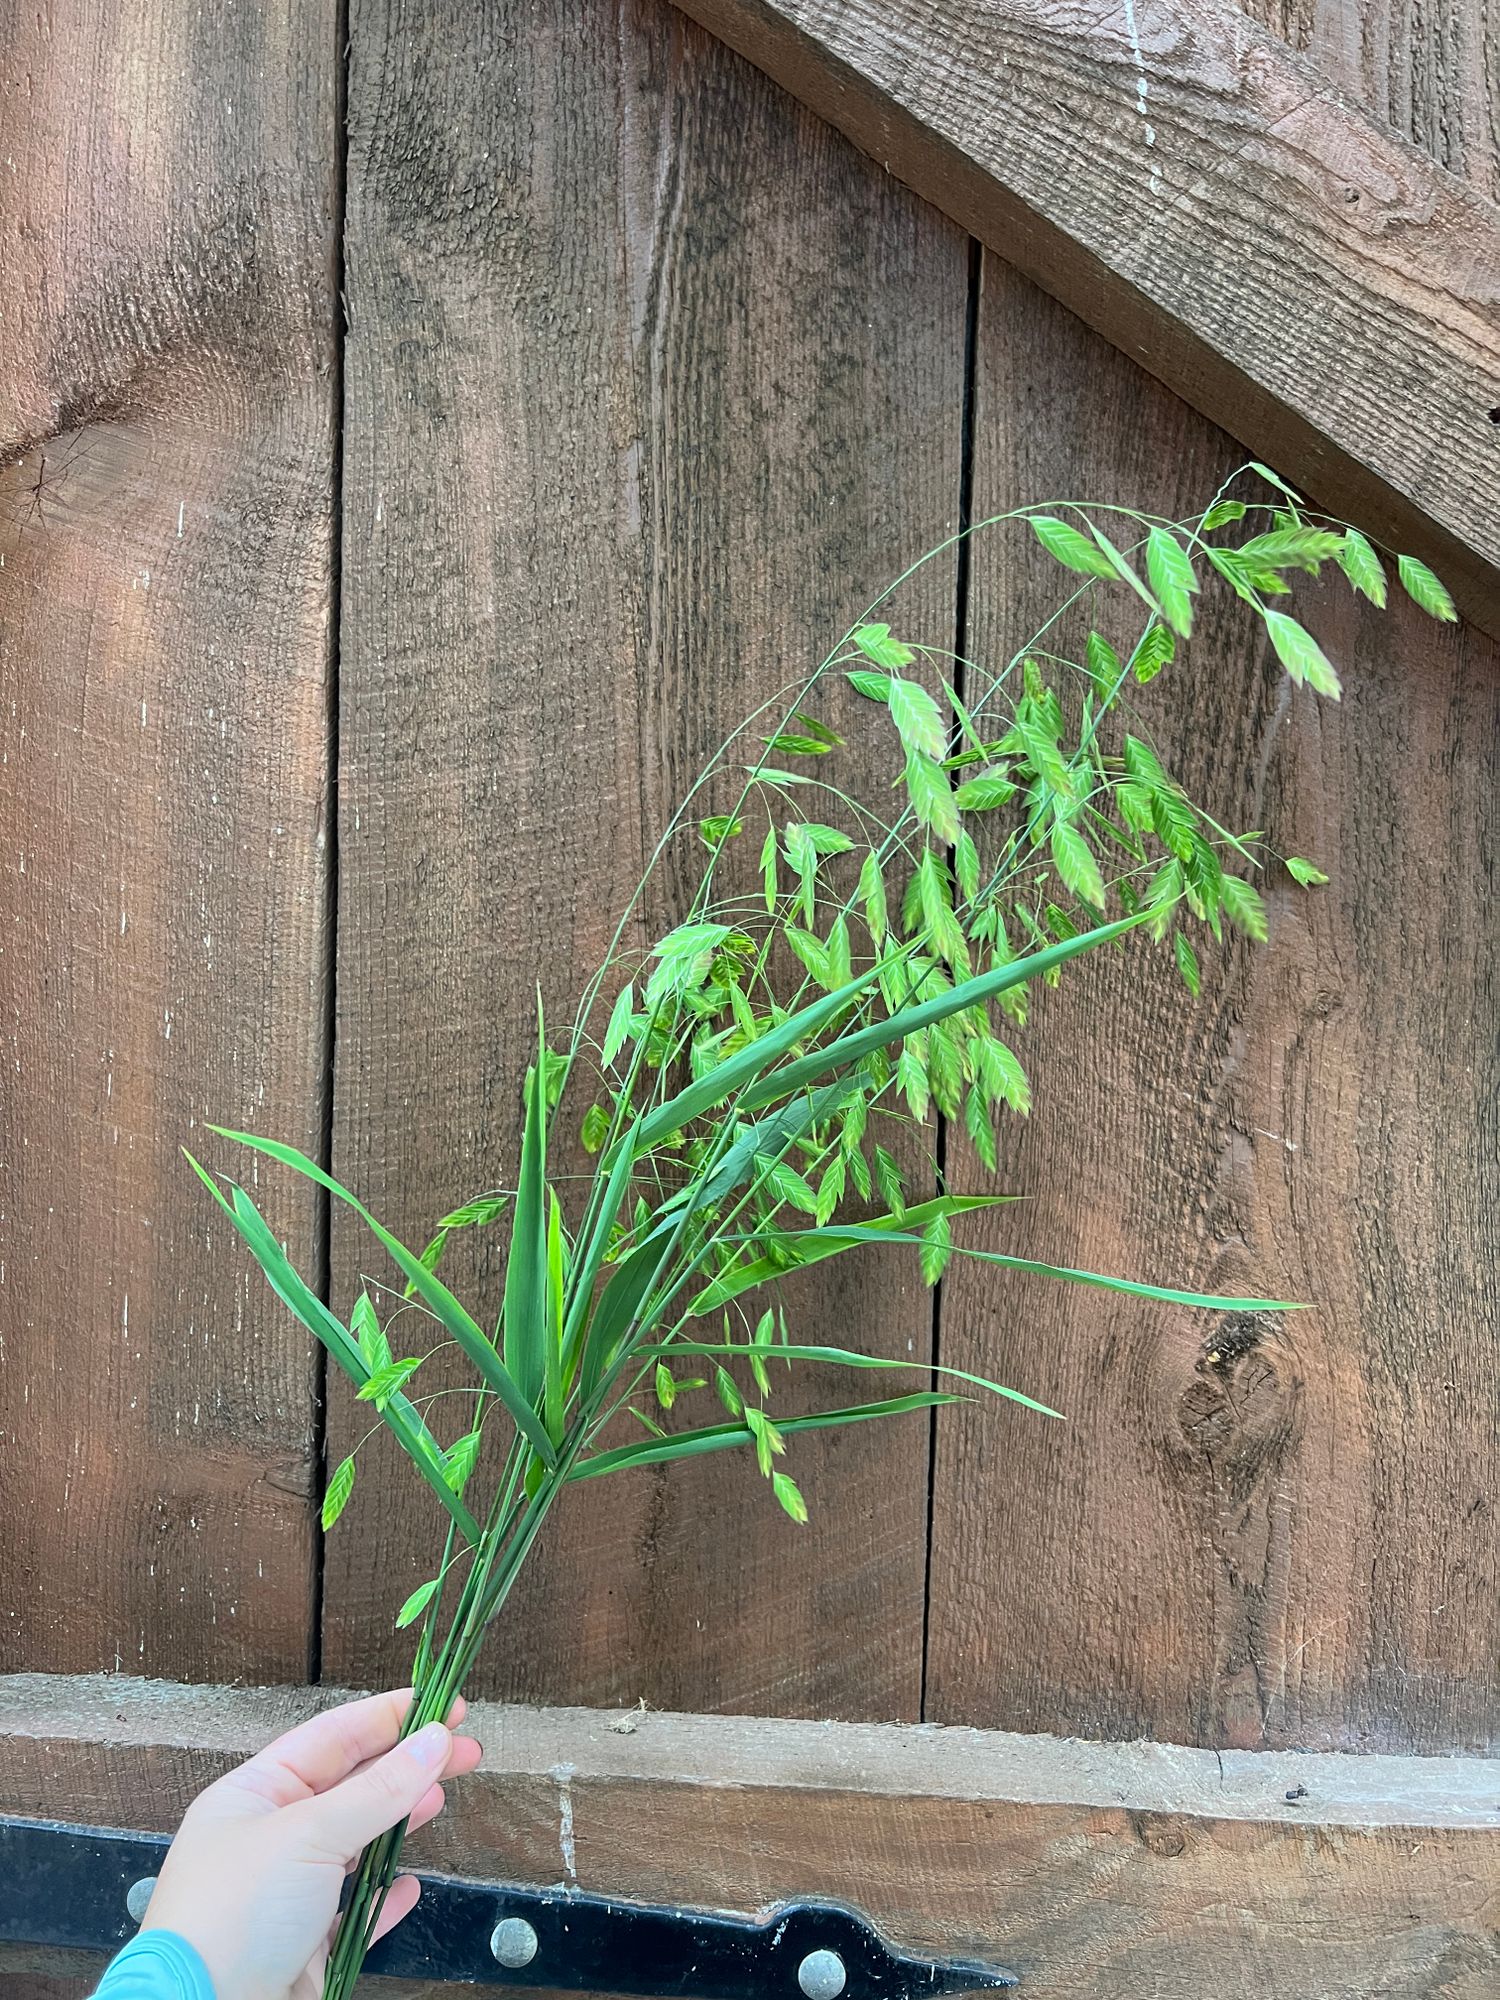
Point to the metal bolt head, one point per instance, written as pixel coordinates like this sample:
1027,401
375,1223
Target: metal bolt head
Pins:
821,1975
513,1942
137,1896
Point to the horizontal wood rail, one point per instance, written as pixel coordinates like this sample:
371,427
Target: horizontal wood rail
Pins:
1203,196
1092,1869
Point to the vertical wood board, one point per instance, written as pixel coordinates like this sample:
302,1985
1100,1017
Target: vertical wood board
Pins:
165,526
653,382
1257,1531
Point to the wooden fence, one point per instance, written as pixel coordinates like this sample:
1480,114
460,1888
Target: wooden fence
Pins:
413,465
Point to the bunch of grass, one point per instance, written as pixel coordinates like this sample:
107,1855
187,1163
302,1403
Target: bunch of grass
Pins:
732,1095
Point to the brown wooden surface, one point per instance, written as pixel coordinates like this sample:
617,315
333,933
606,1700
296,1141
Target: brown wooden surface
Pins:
653,382
1104,1873
1292,1544
165,512
1198,193
1431,73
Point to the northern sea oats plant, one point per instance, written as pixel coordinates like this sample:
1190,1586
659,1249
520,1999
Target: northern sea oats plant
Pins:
736,1084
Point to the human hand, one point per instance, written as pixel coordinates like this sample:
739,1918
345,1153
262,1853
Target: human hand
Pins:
253,1878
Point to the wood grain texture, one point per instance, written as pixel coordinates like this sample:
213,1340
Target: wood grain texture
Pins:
1267,1531
1432,73
653,382
1195,191
1151,1870
165,512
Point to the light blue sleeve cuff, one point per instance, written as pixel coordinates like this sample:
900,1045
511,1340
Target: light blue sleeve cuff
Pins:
156,1965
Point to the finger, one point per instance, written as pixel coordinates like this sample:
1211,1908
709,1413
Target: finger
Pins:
400,1903
463,1757
342,1820
324,1750
330,1747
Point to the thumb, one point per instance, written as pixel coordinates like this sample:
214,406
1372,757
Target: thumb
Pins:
343,1820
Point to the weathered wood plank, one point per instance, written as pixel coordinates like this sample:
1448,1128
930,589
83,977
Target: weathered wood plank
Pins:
1096,1871
1431,72
653,381
165,520
1199,194
1260,1533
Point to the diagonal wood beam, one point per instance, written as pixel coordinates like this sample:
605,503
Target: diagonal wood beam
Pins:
1202,196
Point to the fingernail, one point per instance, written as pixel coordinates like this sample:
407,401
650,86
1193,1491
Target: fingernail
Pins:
430,1746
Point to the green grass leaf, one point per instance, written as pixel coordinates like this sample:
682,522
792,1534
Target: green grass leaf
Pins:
1047,760
1066,545
966,865
1221,514
1301,655
462,1459
399,1415
364,1324
1362,566
768,867
1425,589
385,1381
430,1289
1292,548
1170,571
984,793
1102,664
1123,571
727,1437
930,790
788,1497
1000,1070
417,1603
937,1248
872,895
813,1246
876,643
524,1312
1076,866
554,1305
1243,906
1275,479
340,1486
918,720
620,1016
1153,653
1305,872
844,1357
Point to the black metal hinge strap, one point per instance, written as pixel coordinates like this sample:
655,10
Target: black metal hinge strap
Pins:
83,1888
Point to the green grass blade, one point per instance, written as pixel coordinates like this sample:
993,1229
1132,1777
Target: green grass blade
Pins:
399,1415
845,1357
619,1302
526,1269
431,1290
552,1393
848,1235
1204,1301
811,1246
770,1136
984,986
748,1071
589,1260
747,1063
721,1437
